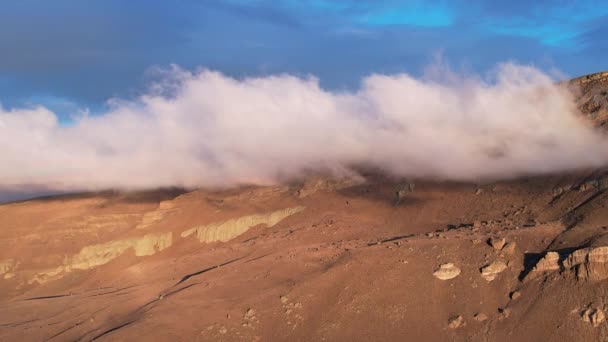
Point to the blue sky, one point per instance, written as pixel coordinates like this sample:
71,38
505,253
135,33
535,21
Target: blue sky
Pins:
71,54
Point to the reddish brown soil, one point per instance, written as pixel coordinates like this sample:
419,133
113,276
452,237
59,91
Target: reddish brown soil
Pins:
351,266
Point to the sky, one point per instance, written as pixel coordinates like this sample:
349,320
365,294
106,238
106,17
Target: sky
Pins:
73,56
139,94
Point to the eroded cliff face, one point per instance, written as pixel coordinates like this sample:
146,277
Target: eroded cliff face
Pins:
589,263
230,229
100,254
593,97
101,238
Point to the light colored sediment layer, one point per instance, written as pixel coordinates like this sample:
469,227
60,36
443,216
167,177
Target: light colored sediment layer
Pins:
96,255
99,254
153,217
228,230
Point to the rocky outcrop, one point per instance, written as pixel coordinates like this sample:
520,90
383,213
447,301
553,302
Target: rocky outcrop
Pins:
509,248
548,263
230,229
558,191
593,99
593,316
315,185
497,243
447,271
595,184
588,263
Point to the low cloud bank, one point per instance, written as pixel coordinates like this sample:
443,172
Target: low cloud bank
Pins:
204,129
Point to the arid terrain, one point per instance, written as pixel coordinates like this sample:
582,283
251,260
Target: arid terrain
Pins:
320,260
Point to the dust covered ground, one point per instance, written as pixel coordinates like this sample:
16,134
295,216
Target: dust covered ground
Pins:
323,260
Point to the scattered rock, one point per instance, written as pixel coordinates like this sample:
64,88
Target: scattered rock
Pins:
284,299
515,294
497,243
456,322
447,271
223,330
489,272
480,317
594,316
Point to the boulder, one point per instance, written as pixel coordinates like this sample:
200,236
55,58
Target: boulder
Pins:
497,243
456,322
504,313
489,272
447,271
550,262
480,317
509,248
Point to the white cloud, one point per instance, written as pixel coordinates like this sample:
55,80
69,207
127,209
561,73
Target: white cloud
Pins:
204,129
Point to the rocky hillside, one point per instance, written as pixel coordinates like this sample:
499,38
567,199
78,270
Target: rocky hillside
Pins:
592,98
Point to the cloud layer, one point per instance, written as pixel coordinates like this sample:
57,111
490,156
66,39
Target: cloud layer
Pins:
204,129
